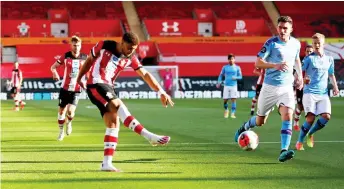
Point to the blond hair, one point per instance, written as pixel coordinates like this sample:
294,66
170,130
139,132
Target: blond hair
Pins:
75,39
318,36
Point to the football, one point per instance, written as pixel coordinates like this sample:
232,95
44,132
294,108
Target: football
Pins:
248,140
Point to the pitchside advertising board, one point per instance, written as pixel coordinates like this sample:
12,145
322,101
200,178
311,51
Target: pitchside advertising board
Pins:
136,88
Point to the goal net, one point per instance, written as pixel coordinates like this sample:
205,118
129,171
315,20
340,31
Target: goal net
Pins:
129,85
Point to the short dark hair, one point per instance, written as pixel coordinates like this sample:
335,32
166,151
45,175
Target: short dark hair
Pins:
131,38
230,56
285,19
309,46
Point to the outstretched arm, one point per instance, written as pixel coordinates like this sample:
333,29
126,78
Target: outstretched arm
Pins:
154,84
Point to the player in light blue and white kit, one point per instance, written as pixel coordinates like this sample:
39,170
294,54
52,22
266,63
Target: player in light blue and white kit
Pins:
318,67
278,57
231,73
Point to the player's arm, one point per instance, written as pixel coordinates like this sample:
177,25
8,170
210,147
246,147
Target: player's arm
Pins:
154,84
263,54
298,77
238,74
54,71
20,78
94,54
333,78
85,68
219,79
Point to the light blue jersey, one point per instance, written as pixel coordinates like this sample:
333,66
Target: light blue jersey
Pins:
317,69
231,73
277,51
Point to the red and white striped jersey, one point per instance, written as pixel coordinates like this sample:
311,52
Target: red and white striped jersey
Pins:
72,66
109,62
261,77
17,76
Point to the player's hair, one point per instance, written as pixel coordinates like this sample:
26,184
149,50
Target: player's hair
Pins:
230,56
285,19
309,46
16,62
130,38
75,39
318,36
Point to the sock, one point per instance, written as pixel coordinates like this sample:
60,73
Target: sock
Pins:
110,143
225,105
61,120
250,123
233,107
130,122
303,131
286,133
318,125
254,102
297,115
16,104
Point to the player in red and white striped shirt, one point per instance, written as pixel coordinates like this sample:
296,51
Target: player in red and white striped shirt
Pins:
260,73
72,62
107,59
16,82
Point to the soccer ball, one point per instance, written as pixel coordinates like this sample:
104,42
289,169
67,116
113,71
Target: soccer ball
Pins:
248,140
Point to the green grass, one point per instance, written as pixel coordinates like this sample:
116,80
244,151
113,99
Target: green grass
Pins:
201,153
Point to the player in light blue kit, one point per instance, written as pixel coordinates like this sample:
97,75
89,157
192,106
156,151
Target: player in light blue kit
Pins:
278,56
318,67
231,73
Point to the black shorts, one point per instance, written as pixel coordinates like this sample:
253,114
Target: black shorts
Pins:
68,97
258,89
100,95
15,90
299,96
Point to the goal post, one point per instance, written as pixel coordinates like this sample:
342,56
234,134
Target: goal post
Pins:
159,73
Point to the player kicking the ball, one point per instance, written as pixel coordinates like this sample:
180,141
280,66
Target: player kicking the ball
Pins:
70,90
231,73
318,67
278,57
107,59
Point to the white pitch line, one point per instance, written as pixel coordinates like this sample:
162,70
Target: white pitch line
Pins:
146,144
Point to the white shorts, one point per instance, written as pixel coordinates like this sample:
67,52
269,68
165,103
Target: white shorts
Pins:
230,92
273,95
316,104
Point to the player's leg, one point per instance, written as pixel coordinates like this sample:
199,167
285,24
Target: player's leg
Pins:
233,109
266,101
73,102
102,96
111,135
286,104
298,110
61,115
323,108
15,97
309,103
255,98
132,123
225,100
233,94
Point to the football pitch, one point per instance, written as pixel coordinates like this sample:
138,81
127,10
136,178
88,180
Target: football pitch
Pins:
201,153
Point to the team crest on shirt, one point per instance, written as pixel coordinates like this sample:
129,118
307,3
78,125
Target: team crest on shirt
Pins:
114,58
